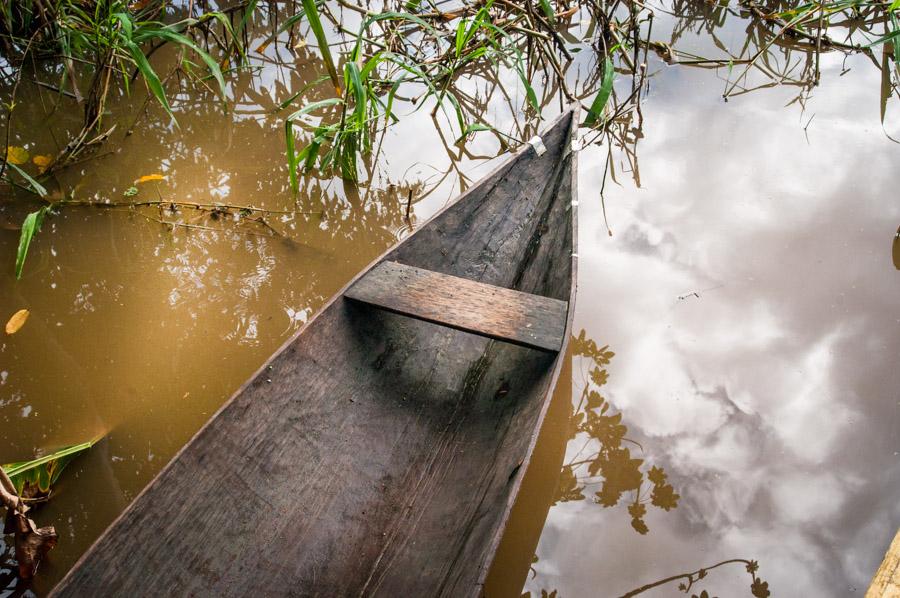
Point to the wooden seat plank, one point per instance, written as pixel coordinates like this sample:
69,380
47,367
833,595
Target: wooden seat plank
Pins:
495,312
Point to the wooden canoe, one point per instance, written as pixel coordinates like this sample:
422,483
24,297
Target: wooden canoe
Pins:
380,450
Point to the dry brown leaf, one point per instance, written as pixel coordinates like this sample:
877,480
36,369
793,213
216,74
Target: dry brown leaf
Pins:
149,177
16,155
17,321
32,542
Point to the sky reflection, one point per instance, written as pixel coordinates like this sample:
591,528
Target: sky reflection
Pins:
749,296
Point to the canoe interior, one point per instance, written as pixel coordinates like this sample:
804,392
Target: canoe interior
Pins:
375,454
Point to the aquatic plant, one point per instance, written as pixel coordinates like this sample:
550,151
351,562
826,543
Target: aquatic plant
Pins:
377,56
33,479
21,485
426,52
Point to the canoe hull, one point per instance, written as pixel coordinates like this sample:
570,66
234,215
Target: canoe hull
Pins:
374,454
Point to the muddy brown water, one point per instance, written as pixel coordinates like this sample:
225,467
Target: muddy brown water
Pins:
747,292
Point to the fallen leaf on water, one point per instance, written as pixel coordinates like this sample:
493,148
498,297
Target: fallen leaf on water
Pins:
42,161
16,321
149,177
16,155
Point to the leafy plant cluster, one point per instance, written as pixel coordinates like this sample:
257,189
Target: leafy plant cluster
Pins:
419,50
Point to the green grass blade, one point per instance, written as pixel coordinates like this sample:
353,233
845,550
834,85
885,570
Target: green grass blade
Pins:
315,106
312,13
303,90
359,92
518,64
291,153
177,38
460,37
474,128
292,157
150,77
30,226
35,186
602,97
548,11
885,38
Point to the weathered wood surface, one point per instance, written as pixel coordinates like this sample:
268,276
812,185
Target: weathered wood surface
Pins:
886,583
491,311
374,454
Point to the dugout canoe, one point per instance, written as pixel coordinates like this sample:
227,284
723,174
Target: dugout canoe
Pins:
379,451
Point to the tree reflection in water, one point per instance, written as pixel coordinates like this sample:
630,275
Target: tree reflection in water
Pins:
609,463
613,467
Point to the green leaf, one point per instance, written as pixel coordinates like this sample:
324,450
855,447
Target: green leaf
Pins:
291,153
312,13
548,11
402,16
170,35
529,90
292,157
602,97
149,75
460,37
303,90
359,92
225,21
315,106
885,38
31,225
34,479
474,128
35,186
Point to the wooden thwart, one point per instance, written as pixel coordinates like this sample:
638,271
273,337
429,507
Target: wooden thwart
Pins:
504,314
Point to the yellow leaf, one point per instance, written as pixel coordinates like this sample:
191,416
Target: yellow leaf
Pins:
16,321
150,177
16,155
42,162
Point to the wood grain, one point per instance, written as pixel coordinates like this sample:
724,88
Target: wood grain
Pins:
491,311
886,583
374,454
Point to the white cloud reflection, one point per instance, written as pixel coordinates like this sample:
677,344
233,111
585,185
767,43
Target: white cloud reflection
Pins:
768,395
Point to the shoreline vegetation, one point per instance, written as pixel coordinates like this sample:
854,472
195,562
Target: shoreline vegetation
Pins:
426,55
